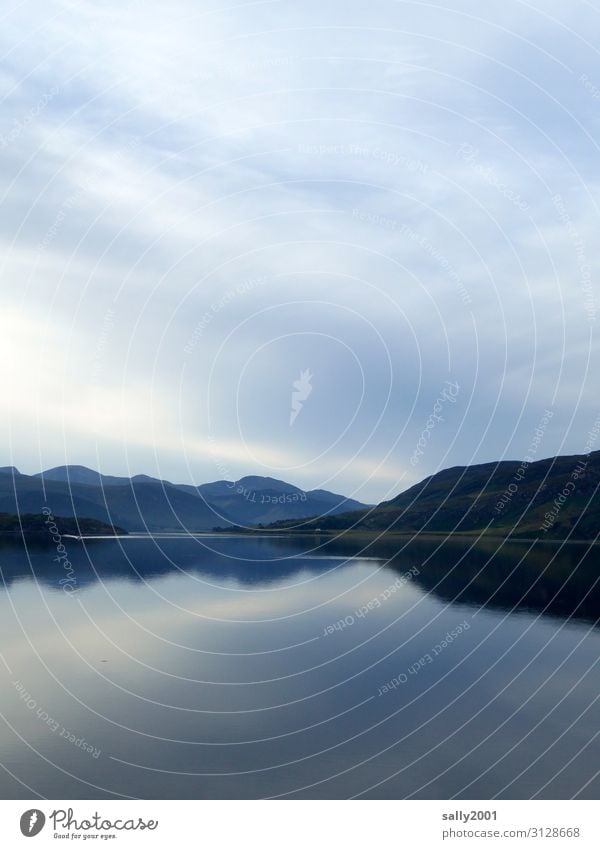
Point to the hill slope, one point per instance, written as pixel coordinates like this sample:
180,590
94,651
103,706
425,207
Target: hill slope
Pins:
548,498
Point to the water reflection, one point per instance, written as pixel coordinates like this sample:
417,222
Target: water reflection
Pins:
554,580
245,668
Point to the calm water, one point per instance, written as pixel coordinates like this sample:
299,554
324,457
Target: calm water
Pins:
246,668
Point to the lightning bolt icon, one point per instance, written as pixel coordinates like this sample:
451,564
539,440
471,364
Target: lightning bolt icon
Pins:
32,821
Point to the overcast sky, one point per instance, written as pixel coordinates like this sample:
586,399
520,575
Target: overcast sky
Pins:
202,202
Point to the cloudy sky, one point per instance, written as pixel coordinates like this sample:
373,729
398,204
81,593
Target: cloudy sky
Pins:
203,202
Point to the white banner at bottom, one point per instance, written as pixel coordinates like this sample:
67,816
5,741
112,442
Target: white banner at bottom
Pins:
302,823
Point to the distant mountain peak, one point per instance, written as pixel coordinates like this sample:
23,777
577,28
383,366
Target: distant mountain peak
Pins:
146,479
142,502
74,474
259,482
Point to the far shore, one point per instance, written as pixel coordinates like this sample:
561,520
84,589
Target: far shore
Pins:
330,534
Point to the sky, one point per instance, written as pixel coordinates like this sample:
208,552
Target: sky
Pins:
344,244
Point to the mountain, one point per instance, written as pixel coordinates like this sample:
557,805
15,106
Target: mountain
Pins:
81,474
133,506
549,498
256,500
143,503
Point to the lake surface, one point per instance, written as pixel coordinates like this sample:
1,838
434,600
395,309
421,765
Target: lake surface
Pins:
236,667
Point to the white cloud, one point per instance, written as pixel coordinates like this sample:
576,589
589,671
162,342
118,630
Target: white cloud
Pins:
154,157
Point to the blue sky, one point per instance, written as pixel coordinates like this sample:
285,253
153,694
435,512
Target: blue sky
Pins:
200,203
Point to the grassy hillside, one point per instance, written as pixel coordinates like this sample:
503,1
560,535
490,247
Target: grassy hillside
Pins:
548,499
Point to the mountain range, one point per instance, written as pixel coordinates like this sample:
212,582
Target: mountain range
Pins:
551,498
143,503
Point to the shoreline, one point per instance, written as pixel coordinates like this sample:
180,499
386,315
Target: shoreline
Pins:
385,535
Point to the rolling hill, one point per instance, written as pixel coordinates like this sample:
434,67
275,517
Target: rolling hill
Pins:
549,498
